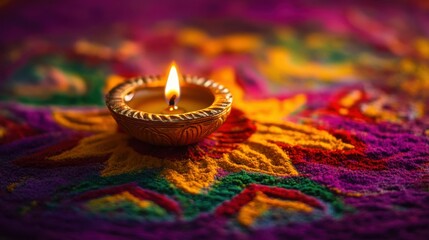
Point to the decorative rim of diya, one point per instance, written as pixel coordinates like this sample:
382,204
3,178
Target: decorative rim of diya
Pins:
115,101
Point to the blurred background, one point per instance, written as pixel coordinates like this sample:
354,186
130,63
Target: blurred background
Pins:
72,52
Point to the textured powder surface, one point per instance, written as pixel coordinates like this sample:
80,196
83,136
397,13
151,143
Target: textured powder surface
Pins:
328,137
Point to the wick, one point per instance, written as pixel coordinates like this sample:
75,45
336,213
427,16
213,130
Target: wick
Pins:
171,102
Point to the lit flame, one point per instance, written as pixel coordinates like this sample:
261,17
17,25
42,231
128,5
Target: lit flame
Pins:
172,88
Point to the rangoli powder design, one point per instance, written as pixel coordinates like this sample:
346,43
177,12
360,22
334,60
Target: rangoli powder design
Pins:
328,136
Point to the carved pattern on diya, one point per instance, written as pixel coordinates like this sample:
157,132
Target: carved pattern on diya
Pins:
169,129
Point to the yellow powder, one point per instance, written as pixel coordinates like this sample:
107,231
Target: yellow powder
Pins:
94,146
261,203
375,110
348,194
93,49
251,211
94,121
211,46
279,63
257,109
2,132
192,37
407,65
112,200
128,49
11,187
343,111
351,98
299,135
422,47
258,156
241,43
191,176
